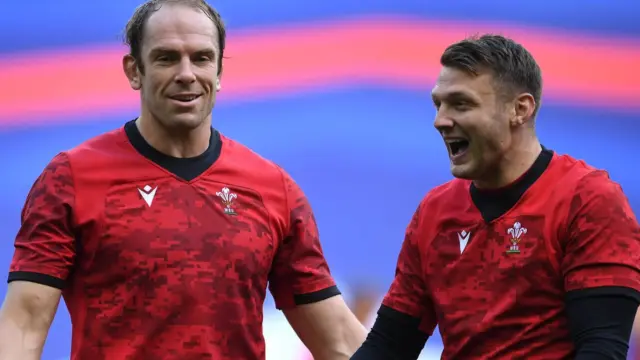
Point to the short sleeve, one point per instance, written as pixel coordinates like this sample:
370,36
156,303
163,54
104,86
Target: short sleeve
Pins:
300,274
408,293
603,247
45,244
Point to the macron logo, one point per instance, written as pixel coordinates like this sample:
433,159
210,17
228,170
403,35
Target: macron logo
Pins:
463,237
148,194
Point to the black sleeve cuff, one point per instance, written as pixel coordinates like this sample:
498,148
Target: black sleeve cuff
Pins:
601,321
316,296
394,336
37,278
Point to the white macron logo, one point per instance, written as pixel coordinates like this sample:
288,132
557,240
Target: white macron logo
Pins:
148,194
463,236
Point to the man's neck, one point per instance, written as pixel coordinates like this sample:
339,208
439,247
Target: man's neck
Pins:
173,142
517,162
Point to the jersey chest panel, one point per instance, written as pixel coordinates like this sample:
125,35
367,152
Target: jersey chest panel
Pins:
200,238
505,273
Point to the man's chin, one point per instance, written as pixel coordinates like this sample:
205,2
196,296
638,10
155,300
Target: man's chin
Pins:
463,171
186,121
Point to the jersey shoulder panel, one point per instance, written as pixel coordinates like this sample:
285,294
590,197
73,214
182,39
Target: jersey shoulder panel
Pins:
566,170
450,197
106,144
99,156
568,183
99,163
247,157
444,203
250,170
564,181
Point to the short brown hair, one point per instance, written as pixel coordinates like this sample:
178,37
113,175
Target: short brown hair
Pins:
511,64
134,31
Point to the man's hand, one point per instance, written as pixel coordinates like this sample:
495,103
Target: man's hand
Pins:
327,328
25,319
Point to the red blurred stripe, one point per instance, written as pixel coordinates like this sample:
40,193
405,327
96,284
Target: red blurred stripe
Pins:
395,52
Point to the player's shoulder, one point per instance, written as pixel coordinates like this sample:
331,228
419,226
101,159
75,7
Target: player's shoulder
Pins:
451,193
107,144
448,198
577,176
86,155
253,169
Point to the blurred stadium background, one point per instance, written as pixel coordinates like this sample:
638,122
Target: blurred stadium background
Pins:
337,92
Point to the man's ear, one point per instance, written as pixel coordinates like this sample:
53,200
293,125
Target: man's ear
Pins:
130,67
524,107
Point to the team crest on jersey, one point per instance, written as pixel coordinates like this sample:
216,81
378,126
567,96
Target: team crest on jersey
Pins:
227,199
516,233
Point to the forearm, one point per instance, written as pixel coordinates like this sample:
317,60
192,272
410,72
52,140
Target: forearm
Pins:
346,337
20,340
327,328
394,336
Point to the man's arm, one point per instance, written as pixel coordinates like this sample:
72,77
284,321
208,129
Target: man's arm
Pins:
601,267
44,255
327,328
636,325
304,289
394,336
25,319
406,318
604,333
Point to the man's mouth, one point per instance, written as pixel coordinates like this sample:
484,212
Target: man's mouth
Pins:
185,98
457,147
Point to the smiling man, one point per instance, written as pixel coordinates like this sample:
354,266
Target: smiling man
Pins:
163,235
527,254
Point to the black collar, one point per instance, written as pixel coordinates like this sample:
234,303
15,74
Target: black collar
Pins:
185,168
495,203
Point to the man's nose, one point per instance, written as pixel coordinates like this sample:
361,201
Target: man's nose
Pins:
443,122
185,73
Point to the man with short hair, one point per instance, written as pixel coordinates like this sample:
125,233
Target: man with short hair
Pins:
527,254
163,235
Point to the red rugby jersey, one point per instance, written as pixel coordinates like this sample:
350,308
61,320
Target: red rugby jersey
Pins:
153,266
496,287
